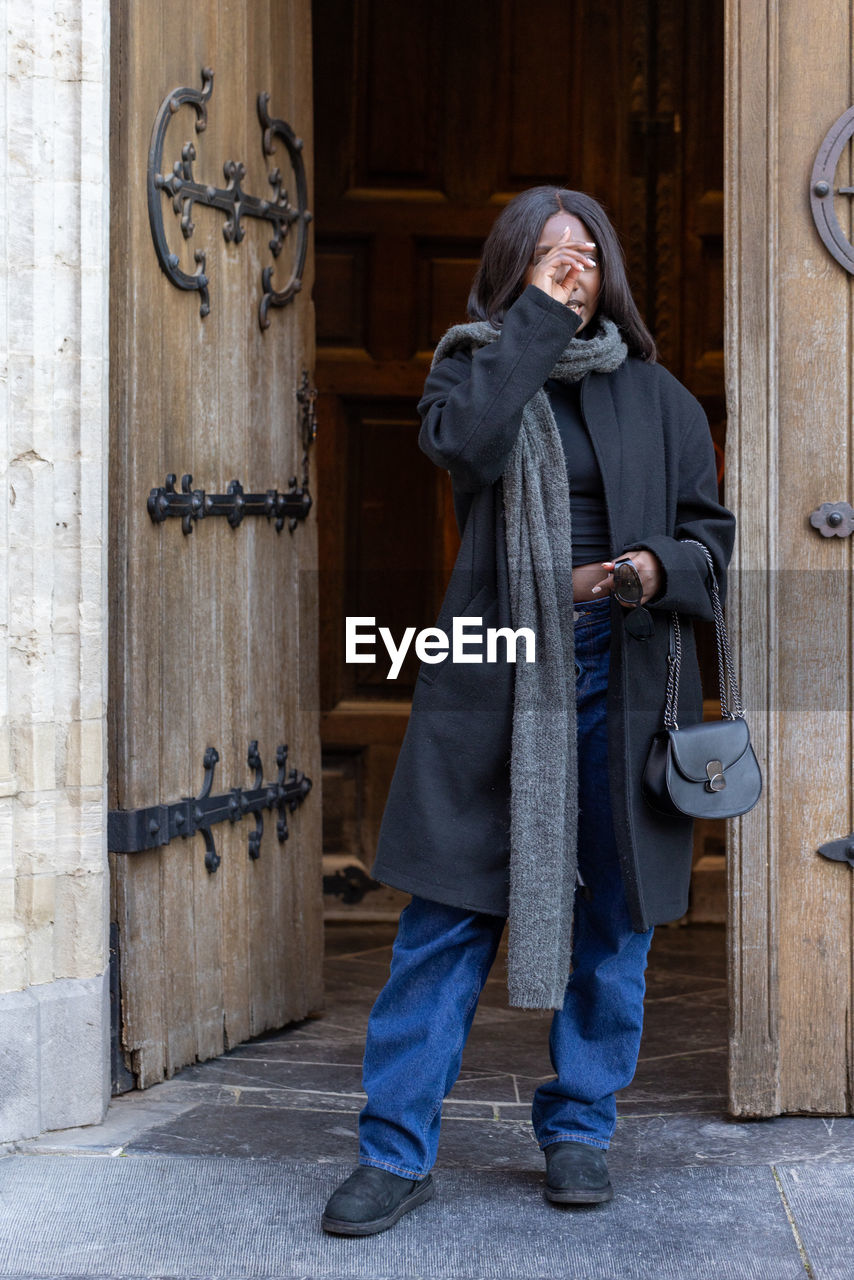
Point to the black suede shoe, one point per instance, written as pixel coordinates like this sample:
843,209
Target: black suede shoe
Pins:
576,1173
372,1200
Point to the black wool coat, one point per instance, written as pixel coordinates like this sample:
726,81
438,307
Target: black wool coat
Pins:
445,829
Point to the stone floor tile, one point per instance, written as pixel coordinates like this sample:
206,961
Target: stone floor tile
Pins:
295,1047
272,1126
515,1046
259,1219
306,1127
370,971
663,984
475,1144
323,1131
481,1086
299,1101
355,938
462,1109
695,1138
700,1104
681,1026
821,1201
700,1072
273,1073
698,948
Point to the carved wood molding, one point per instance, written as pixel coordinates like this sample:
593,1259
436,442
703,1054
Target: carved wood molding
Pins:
751,241
668,186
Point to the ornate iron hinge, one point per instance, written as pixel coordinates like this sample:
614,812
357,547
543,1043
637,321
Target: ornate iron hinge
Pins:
192,504
137,830
231,199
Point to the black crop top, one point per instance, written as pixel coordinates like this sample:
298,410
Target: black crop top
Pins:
590,539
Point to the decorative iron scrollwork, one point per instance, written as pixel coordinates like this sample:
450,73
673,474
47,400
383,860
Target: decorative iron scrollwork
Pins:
186,191
191,505
137,830
822,190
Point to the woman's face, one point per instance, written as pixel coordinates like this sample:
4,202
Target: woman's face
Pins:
585,295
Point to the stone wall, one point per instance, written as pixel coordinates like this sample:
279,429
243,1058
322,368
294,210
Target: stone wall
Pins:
54,1014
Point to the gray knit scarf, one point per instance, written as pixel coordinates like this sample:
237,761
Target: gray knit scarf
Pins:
543,758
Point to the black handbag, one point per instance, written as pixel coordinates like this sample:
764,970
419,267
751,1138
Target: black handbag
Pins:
706,770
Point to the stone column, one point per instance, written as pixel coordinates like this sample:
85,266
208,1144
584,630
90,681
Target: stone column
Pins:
54,1001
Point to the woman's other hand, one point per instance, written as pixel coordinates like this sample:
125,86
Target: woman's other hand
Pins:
648,567
557,271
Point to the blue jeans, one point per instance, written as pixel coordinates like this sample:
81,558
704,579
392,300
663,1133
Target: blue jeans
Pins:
442,956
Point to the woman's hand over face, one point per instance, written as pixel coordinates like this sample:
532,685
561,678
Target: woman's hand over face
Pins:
648,567
557,271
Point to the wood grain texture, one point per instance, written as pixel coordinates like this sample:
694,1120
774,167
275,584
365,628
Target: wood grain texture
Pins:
814,600
207,628
751,325
789,447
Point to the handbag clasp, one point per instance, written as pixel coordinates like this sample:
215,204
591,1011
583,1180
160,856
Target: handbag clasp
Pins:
715,774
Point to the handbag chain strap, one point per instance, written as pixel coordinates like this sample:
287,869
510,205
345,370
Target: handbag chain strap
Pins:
730,694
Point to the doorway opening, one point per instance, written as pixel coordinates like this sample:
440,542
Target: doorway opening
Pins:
427,122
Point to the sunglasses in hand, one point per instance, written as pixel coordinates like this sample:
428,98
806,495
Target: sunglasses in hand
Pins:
627,586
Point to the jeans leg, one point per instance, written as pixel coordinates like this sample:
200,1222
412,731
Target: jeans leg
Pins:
417,1031
595,1039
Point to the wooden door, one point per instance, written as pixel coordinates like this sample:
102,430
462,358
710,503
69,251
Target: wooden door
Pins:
430,118
213,631
790,449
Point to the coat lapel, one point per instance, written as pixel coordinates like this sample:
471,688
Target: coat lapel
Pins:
632,459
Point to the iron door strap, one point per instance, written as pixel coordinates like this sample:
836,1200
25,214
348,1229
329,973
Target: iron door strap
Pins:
349,883
839,850
235,504
192,504
138,830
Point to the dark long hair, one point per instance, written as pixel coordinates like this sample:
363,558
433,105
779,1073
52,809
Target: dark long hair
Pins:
509,249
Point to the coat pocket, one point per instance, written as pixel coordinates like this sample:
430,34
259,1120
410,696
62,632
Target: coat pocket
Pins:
483,602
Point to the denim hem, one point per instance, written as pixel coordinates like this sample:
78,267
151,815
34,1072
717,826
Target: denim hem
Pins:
601,1143
393,1168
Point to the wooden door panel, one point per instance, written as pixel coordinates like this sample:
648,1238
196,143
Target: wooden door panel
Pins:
209,637
789,383
814,596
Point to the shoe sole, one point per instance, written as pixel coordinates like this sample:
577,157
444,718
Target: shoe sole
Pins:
598,1195
339,1227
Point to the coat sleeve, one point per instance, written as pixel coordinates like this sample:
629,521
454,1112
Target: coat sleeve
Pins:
699,516
471,410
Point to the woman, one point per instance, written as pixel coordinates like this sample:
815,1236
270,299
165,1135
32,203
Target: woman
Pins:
517,791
